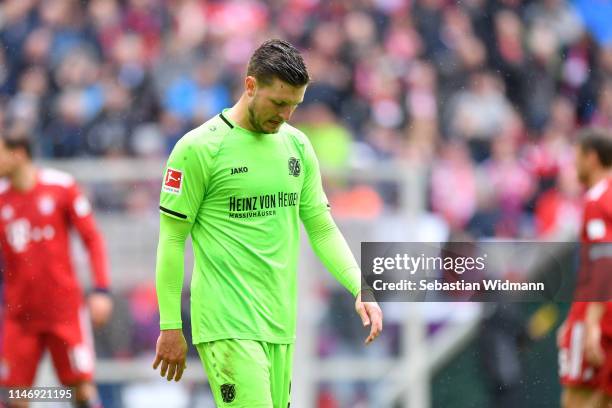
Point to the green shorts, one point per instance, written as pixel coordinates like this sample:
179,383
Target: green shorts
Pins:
248,373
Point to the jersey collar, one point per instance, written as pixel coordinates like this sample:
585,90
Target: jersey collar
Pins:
234,126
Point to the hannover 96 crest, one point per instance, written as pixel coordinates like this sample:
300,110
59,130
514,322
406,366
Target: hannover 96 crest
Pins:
294,166
228,392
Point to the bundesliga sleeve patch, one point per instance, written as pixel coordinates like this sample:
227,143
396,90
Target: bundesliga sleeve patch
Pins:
173,181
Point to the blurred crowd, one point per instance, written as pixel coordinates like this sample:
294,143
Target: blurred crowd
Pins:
489,92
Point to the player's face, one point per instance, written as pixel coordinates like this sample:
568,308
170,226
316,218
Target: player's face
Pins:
272,105
583,165
8,160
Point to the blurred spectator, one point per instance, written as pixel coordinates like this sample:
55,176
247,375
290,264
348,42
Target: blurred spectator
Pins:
64,136
109,133
541,74
478,112
105,17
562,116
37,48
511,185
454,168
79,74
147,18
30,103
421,84
510,57
600,73
559,16
130,67
198,96
68,29
603,114
428,17
553,152
17,22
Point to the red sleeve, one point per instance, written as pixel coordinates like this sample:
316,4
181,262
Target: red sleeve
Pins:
607,211
591,224
81,217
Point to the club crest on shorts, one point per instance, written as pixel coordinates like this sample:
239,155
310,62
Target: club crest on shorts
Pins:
173,181
294,166
228,392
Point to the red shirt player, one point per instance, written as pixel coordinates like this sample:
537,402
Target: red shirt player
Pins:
586,375
43,302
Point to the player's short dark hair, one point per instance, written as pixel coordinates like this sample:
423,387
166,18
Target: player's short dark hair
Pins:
17,137
278,59
598,140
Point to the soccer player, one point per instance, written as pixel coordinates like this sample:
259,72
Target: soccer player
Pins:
585,369
240,184
43,303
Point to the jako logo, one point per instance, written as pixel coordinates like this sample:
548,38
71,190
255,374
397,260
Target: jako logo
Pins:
236,170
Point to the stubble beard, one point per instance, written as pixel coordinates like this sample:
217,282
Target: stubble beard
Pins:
253,119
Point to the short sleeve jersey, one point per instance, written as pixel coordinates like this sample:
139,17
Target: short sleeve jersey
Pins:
244,194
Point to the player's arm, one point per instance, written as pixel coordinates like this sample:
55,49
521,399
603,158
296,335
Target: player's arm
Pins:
182,193
593,351
561,333
81,217
171,346
169,270
331,248
329,244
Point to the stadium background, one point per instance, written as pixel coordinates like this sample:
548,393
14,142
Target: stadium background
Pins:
432,119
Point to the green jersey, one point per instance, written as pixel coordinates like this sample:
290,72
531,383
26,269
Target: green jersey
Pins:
244,194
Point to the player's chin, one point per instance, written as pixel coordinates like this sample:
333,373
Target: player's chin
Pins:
272,126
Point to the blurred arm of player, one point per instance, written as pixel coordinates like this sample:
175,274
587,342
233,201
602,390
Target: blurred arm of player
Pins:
331,248
100,303
593,352
171,349
561,333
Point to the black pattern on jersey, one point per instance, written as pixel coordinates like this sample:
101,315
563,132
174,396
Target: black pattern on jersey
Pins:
228,392
294,167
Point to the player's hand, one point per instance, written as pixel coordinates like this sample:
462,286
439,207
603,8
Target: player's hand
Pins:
100,308
371,315
171,352
593,352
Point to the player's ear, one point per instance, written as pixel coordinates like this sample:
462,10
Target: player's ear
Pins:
250,85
